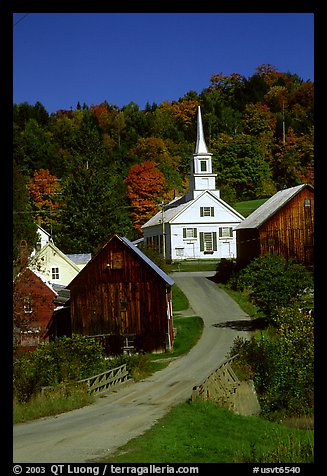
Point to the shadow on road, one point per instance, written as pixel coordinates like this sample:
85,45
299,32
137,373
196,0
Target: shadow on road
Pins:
244,324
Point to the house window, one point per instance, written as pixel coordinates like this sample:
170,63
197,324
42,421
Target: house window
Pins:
226,232
203,165
28,305
189,233
55,273
208,242
179,252
207,212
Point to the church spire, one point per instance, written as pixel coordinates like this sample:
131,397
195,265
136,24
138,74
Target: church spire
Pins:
200,146
201,177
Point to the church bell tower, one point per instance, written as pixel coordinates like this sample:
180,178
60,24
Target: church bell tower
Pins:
201,177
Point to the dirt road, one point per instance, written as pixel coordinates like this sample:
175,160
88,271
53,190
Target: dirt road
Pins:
86,434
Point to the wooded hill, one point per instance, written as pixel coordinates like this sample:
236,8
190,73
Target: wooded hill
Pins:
99,169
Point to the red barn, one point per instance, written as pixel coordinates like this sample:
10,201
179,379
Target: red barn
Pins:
283,225
33,308
122,297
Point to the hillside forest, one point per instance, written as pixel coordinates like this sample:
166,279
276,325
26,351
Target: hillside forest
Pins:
98,169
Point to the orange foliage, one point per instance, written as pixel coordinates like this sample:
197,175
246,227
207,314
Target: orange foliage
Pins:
44,190
184,110
145,184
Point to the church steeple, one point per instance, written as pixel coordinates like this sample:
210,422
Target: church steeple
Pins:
200,146
201,177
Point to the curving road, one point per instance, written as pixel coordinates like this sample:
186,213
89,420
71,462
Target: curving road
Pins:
92,432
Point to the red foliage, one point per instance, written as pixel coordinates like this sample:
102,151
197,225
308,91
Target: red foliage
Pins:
145,184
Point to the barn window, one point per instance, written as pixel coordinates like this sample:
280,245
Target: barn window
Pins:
117,260
207,212
307,202
189,233
123,306
55,273
28,305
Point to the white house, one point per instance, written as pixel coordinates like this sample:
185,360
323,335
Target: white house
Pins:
54,265
43,238
200,224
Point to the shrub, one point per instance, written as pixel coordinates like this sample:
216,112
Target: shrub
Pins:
282,362
273,282
226,268
65,359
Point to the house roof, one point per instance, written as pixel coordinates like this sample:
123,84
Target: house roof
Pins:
271,207
79,258
38,275
177,206
63,294
53,247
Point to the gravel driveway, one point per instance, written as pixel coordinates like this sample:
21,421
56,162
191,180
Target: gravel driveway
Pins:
92,432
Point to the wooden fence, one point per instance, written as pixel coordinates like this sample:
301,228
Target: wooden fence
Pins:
222,381
101,382
225,388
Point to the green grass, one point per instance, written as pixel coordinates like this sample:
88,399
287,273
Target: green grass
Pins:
65,397
60,399
188,330
247,207
180,301
193,265
202,432
243,301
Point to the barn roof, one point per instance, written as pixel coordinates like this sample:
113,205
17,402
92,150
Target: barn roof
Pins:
270,207
147,260
137,252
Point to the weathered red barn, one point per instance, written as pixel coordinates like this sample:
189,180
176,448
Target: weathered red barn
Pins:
283,225
122,297
33,307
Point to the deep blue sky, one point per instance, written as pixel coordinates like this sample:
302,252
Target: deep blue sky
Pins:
62,58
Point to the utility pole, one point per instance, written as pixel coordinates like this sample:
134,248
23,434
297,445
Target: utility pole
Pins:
163,231
283,125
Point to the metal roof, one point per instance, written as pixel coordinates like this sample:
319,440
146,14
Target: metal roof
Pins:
270,207
79,258
147,260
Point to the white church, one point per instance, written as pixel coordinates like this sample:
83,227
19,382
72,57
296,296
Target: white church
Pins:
198,225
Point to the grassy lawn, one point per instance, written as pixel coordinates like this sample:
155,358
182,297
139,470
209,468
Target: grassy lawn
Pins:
247,207
180,301
202,432
193,265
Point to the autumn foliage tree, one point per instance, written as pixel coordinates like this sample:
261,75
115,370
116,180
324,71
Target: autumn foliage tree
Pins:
45,189
145,184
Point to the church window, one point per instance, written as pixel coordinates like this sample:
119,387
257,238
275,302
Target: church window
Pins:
226,232
207,212
208,242
203,165
189,233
